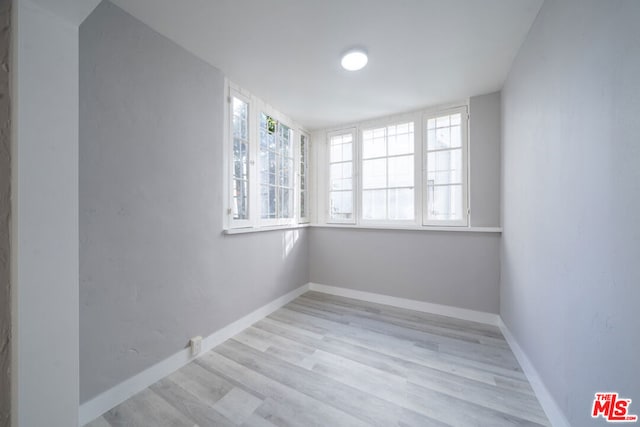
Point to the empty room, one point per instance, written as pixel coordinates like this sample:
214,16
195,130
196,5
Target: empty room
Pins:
319,213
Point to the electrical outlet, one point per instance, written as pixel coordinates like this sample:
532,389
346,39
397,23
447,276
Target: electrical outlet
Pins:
196,345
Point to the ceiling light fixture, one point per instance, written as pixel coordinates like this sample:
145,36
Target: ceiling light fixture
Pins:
354,60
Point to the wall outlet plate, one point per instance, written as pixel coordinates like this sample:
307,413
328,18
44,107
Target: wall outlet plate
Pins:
196,345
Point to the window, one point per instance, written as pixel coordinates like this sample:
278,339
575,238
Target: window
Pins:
266,165
446,168
303,177
409,170
276,169
388,173
240,162
341,185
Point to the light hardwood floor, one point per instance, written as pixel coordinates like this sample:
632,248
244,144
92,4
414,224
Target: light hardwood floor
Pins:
324,360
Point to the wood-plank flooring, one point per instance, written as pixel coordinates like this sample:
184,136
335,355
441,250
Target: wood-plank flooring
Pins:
324,360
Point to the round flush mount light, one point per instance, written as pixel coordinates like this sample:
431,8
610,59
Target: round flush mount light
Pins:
354,60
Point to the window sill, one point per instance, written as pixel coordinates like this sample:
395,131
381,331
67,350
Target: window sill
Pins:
246,230
413,228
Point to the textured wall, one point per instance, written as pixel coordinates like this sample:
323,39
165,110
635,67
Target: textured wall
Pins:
5,210
570,288
155,268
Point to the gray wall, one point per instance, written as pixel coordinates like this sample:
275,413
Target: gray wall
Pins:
453,268
5,214
484,160
570,287
155,269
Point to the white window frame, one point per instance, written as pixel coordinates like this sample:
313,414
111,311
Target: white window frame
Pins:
419,118
354,173
464,136
278,221
255,221
240,223
307,175
411,118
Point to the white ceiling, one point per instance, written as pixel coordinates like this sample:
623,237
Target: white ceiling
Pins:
287,52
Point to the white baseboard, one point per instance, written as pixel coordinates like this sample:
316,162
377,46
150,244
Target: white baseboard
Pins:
118,394
427,307
551,408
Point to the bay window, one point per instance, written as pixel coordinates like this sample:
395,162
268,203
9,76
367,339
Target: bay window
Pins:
408,171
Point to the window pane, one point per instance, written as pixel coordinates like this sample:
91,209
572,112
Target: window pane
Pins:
401,204
240,119
442,122
341,204
285,203
336,153
444,132
240,158
401,144
240,165
303,159
456,138
374,173
341,176
443,138
401,171
273,167
444,202
388,162
347,152
284,140
268,201
445,167
240,199
286,172
374,204
374,146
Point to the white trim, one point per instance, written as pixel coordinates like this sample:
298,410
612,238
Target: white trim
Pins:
410,304
412,228
118,394
245,230
548,403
